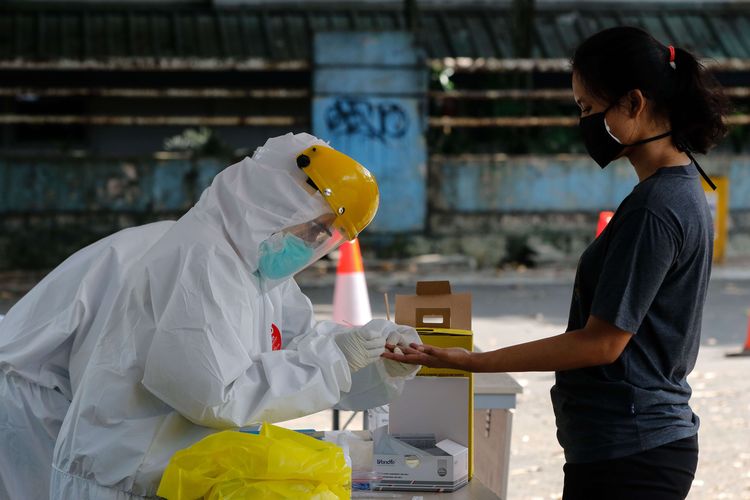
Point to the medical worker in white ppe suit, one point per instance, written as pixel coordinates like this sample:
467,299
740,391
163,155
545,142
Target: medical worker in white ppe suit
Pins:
157,336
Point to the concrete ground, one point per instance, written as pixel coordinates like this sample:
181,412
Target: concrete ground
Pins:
521,306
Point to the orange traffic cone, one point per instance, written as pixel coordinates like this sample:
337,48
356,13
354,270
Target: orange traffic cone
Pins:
604,218
351,303
746,348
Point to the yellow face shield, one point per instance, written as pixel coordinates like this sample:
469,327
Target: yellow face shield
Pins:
348,187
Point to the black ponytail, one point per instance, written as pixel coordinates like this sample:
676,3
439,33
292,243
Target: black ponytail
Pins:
697,106
617,60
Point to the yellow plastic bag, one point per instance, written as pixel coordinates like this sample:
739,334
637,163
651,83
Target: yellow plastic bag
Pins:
275,464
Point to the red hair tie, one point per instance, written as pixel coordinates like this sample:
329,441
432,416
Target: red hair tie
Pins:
671,55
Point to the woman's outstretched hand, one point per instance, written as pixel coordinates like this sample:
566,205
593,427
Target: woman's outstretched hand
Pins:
427,355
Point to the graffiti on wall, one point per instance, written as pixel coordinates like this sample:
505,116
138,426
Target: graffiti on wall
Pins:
372,119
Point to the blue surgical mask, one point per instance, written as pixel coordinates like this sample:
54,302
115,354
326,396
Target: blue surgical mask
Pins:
282,258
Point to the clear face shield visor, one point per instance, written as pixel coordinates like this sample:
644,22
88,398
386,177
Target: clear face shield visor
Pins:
287,252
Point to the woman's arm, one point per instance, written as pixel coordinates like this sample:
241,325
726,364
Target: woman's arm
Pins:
597,343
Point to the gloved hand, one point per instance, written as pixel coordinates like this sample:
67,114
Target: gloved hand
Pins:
362,346
403,335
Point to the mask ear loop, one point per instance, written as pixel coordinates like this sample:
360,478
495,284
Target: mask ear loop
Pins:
681,146
637,143
700,170
606,125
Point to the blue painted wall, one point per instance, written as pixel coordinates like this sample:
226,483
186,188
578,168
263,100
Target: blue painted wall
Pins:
71,185
557,184
516,184
738,171
369,94
51,207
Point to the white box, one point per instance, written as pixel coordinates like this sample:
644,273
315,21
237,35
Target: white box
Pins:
418,463
426,447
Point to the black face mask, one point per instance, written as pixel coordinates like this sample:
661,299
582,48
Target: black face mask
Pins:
600,143
604,147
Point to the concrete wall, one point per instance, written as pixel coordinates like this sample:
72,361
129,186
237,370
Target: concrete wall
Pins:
369,102
494,210
567,183
51,207
506,208
528,184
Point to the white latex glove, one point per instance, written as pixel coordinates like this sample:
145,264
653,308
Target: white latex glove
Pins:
362,346
402,336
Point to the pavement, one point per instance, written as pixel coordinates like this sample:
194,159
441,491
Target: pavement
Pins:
519,305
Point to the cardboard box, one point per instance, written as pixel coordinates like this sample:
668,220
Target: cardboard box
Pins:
438,402
445,337
441,318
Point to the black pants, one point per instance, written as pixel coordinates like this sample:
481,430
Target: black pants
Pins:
663,473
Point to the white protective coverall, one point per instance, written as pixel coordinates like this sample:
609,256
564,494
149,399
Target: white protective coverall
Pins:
155,337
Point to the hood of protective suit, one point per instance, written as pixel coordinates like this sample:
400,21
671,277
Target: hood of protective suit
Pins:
259,196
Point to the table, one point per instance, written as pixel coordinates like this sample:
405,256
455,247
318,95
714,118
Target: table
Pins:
495,391
494,399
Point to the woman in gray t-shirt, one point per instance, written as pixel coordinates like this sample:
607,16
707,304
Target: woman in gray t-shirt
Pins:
621,397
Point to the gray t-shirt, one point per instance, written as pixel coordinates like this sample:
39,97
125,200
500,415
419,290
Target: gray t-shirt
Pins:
647,273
